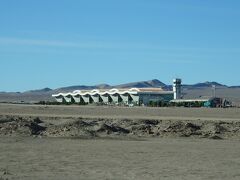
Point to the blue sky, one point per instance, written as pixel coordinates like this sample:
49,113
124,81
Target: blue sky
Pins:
53,43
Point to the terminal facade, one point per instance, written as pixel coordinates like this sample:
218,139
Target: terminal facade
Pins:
135,96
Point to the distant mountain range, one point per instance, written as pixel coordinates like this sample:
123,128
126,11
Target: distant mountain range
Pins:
141,84
155,83
190,91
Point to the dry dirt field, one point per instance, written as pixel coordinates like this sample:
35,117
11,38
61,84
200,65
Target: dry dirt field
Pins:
76,142
120,112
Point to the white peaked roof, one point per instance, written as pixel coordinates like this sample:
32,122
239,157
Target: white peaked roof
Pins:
98,91
109,91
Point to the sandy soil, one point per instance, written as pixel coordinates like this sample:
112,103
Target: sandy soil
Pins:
72,142
58,158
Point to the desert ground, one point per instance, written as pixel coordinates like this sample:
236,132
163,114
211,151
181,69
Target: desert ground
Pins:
95,142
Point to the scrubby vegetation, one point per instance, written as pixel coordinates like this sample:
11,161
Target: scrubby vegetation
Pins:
151,104
58,103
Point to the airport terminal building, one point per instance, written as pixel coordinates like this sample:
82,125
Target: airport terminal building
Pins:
136,96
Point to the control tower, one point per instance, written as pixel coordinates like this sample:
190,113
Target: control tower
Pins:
177,83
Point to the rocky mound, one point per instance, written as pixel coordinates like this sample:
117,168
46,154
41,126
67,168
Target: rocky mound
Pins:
10,126
18,126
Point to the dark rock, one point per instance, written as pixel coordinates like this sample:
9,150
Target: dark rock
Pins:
150,122
215,137
35,128
219,129
37,120
192,126
110,129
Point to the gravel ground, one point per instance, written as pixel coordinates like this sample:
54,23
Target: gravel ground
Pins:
154,158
